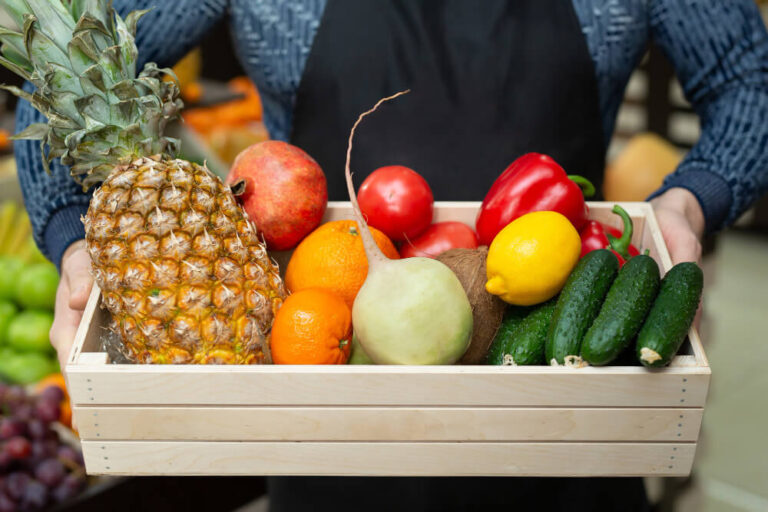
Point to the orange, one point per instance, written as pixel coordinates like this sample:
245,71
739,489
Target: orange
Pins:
332,258
5,140
313,326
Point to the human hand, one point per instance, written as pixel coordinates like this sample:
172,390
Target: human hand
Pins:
682,224
71,296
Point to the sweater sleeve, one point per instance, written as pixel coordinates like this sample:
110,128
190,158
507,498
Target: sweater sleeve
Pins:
719,49
55,202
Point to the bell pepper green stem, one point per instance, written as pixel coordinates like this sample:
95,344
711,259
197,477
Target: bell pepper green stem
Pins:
621,244
587,188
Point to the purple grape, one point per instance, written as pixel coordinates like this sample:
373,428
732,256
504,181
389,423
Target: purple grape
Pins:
52,393
37,429
23,412
18,447
14,395
69,456
39,452
68,488
12,427
52,435
47,410
15,484
6,503
50,472
35,495
51,447
5,460
3,389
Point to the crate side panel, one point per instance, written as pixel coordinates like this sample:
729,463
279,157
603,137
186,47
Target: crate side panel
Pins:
388,459
389,385
386,424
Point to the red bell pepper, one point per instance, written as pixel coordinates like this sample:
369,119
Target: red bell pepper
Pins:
598,236
532,183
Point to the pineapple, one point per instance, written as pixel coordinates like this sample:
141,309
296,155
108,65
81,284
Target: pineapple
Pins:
181,267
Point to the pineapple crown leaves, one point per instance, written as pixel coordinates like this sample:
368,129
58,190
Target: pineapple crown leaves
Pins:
81,57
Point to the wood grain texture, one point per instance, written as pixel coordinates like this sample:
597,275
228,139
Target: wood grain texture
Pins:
388,385
387,424
385,459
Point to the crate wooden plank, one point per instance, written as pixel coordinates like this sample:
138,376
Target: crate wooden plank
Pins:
388,385
387,423
383,459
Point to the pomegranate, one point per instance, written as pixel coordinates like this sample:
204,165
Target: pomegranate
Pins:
285,192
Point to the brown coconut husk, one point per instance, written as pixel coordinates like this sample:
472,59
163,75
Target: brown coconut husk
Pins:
487,309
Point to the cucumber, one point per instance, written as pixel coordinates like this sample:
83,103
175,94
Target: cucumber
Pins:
579,304
626,305
671,315
527,340
513,315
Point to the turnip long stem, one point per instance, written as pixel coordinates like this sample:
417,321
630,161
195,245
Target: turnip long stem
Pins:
372,251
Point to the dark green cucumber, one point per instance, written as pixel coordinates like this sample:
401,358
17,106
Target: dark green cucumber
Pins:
671,315
513,315
528,338
626,305
579,304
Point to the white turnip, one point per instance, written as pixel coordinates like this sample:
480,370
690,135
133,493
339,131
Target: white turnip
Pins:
409,311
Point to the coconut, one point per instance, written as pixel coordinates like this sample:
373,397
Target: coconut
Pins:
487,309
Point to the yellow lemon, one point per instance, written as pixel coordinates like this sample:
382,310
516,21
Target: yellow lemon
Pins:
531,258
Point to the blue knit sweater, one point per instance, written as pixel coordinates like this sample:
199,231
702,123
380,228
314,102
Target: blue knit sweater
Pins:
719,49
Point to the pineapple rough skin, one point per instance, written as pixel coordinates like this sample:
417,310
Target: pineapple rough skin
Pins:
180,265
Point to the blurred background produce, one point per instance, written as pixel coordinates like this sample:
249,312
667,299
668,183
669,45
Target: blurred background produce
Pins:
655,127
27,294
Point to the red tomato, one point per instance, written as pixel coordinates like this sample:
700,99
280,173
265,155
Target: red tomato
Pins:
397,201
439,238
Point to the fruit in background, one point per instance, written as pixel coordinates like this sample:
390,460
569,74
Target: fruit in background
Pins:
595,236
313,326
36,286
10,270
640,168
438,238
487,309
36,468
357,354
332,257
5,140
230,127
530,259
57,381
29,330
397,201
285,191
16,234
7,312
158,226
25,367
532,183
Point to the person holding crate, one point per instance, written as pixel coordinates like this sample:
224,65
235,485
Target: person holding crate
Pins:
490,81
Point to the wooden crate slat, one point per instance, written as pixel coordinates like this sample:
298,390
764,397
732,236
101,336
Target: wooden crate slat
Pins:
388,385
387,423
383,459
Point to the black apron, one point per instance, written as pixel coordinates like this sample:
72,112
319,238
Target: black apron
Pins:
490,81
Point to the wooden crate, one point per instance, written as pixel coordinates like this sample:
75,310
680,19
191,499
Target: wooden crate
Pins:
390,420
